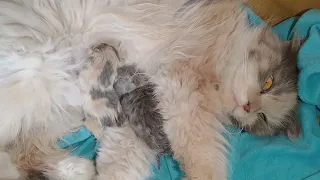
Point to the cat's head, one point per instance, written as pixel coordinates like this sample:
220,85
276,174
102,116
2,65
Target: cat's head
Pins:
261,85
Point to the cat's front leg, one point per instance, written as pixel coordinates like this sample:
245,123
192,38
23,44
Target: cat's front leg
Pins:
188,102
202,157
200,148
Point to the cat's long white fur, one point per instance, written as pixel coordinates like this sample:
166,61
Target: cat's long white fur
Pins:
43,44
41,48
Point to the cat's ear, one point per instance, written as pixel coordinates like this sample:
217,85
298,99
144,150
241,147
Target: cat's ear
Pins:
295,43
291,49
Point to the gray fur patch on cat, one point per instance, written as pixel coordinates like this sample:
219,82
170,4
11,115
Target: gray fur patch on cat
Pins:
139,105
285,74
128,79
281,59
106,121
140,108
290,127
106,73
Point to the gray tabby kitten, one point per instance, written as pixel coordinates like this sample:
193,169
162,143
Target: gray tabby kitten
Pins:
140,107
121,98
132,97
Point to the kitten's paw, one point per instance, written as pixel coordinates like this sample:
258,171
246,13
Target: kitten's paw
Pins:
73,168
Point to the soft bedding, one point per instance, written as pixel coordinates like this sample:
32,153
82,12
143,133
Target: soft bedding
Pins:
252,157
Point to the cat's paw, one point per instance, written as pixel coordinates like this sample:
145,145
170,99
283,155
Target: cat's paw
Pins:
73,168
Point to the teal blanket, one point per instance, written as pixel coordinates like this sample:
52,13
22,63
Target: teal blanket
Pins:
252,157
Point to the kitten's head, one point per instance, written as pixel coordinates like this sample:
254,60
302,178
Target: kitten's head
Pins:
261,85
129,78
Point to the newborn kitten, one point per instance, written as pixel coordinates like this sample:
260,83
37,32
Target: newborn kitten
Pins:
122,99
140,107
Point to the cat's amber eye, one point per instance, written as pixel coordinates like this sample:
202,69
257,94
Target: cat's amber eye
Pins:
268,84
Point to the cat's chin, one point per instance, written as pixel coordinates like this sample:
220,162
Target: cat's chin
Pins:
249,123
263,128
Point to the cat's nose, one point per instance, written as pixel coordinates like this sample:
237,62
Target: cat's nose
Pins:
246,107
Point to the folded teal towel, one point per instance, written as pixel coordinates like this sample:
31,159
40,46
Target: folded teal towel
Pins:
278,158
252,157
82,143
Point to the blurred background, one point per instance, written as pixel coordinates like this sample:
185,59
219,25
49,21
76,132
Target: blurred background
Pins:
275,11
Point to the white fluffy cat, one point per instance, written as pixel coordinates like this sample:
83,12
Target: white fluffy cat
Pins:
209,65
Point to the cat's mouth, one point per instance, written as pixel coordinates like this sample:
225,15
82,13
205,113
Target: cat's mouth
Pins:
261,126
